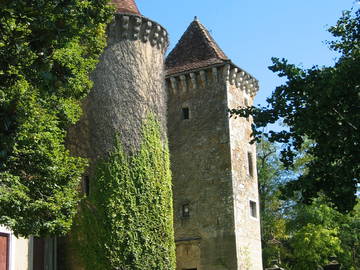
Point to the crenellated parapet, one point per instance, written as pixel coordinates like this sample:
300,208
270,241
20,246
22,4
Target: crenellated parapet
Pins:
198,79
137,27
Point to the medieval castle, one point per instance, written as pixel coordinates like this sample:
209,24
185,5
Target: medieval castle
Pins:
215,188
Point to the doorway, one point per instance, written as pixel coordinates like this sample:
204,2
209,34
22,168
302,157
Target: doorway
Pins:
4,251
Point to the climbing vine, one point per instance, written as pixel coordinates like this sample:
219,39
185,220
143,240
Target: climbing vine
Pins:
127,221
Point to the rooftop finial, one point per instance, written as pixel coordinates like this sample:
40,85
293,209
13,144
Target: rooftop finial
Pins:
196,18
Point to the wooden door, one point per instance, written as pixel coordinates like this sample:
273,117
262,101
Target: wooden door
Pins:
39,254
4,251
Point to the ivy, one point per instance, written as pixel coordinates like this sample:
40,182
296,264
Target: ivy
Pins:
127,221
47,50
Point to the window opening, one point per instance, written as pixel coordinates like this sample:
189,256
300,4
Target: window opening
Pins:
186,113
87,185
186,210
250,164
253,210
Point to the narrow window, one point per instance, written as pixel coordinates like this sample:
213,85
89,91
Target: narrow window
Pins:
246,102
250,165
253,210
186,210
185,113
86,185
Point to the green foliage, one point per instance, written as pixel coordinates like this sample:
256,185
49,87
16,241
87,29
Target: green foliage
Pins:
302,236
323,105
47,50
127,221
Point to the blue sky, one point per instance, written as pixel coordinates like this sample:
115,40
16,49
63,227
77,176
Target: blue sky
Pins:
251,32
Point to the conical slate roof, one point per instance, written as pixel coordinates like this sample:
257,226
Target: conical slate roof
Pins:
126,6
196,49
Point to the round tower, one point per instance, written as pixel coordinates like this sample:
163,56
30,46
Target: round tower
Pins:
128,90
128,85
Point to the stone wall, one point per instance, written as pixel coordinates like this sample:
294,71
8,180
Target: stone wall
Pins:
209,157
245,185
199,149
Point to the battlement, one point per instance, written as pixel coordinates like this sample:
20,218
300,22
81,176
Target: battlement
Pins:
136,27
203,77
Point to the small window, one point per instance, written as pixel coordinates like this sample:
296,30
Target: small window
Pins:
186,210
246,102
86,185
253,210
250,164
185,113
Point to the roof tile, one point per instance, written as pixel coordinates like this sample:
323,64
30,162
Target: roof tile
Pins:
196,49
126,6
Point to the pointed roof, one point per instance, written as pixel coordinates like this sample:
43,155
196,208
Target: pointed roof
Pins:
196,49
126,6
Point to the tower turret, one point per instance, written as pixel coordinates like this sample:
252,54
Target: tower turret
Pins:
216,203
128,90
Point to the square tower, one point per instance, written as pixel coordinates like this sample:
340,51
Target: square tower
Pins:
216,202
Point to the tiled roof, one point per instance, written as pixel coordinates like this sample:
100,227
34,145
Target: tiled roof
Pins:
126,6
196,49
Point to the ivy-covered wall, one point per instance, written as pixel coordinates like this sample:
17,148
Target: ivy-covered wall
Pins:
126,222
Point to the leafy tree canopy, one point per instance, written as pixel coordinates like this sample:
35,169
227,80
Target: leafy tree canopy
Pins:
321,104
47,50
302,236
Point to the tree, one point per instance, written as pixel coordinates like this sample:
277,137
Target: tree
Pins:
301,236
273,222
321,104
47,50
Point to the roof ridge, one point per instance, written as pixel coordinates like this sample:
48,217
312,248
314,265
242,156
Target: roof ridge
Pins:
208,36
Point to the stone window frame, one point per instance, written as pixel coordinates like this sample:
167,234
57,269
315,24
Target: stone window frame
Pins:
185,113
250,169
253,209
184,213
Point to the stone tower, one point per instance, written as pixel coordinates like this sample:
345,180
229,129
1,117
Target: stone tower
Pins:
128,84
128,87
216,203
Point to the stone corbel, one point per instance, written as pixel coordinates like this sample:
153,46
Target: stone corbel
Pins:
156,35
226,73
148,26
233,73
215,74
137,28
173,83
203,78
238,79
183,82
193,80
125,26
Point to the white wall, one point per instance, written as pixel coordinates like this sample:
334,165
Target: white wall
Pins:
20,251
